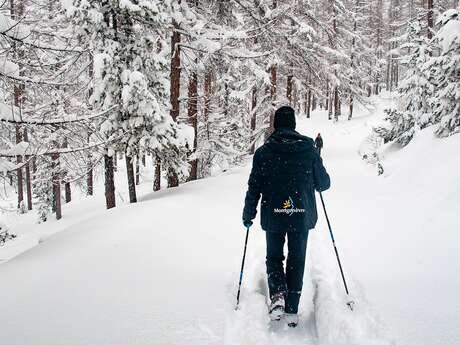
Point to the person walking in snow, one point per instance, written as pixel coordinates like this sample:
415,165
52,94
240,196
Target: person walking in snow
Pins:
319,143
285,172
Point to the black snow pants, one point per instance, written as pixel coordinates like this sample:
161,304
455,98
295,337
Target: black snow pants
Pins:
289,281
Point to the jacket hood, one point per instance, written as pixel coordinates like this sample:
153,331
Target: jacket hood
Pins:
288,140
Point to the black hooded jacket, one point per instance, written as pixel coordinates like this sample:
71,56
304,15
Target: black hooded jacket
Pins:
286,170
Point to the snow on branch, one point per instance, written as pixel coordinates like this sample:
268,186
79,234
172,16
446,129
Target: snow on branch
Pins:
9,113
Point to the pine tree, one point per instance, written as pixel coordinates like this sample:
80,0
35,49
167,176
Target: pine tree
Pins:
130,77
445,74
43,188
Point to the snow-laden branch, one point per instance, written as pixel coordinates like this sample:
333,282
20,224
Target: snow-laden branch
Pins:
52,122
21,79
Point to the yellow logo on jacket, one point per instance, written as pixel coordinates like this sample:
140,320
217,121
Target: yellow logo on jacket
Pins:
288,208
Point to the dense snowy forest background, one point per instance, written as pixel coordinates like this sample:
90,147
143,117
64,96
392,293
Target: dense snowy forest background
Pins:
191,85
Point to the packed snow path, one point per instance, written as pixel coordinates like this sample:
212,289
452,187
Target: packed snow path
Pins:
165,270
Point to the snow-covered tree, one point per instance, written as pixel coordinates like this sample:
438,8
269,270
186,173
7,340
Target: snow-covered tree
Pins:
445,74
128,41
414,90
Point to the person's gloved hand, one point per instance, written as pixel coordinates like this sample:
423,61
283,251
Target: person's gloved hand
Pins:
247,223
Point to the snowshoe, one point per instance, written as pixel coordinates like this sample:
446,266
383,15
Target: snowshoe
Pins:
291,319
276,309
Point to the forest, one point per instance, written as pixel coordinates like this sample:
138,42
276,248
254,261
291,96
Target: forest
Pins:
129,207
193,84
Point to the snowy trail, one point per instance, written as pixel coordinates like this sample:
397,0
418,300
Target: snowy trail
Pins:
165,270
325,318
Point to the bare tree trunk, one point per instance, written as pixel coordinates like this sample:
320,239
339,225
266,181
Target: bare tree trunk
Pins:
329,99
207,99
173,179
56,178
28,178
157,177
308,103
429,19
273,87
109,182
326,105
89,179
67,190
17,10
226,99
253,119
379,41
336,104
350,114
289,88
131,179
89,175
19,171
295,99
193,120
138,173
115,161
89,172
388,73
353,43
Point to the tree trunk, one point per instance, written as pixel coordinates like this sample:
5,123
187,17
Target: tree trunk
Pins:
429,19
350,114
109,182
379,42
226,99
17,11
28,178
329,112
89,179
193,120
131,180
19,171
67,190
336,104
289,89
56,178
173,179
207,99
138,172
388,72
157,177
115,162
273,78
253,119
89,174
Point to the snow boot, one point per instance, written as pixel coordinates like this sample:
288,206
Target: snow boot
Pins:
276,309
292,319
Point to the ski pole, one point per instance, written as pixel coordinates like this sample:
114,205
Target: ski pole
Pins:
242,268
350,303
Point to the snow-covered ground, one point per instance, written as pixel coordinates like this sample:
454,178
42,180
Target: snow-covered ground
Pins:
165,270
